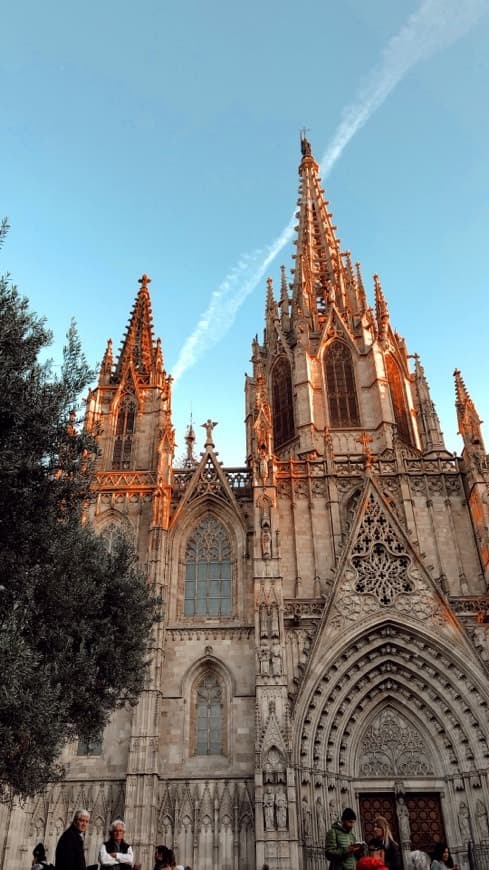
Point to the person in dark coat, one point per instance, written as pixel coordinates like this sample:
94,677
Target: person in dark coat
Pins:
69,851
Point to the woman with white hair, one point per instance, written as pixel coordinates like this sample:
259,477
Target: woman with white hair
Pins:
116,851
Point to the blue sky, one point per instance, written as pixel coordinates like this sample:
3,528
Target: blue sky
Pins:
164,138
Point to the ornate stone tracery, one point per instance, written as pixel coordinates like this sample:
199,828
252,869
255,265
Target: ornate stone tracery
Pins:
391,746
379,558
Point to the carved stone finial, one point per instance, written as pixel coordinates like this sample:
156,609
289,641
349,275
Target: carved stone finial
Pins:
305,144
366,440
208,426
144,280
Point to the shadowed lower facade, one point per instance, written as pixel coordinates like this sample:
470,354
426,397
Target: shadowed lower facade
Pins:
325,631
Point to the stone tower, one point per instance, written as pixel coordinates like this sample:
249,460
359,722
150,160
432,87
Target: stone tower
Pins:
325,610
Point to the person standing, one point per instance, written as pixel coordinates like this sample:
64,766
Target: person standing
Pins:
116,852
441,859
39,860
382,845
341,847
69,851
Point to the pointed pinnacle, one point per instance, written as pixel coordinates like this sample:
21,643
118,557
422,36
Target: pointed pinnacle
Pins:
283,286
461,392
381,309
144,280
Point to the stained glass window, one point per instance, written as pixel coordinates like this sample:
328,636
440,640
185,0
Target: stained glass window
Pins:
126,422
283,411
340,385
208,570
209,715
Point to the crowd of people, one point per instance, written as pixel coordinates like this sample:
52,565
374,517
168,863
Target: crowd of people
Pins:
381,852
113,853
342,849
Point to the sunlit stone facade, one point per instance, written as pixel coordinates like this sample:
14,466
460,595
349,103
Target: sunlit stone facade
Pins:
324,640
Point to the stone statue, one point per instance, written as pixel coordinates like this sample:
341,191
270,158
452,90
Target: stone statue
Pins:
276,660
264,656
275,625
281,809
268,807
321,821
266,541
464,822
403,819
306,820
481,815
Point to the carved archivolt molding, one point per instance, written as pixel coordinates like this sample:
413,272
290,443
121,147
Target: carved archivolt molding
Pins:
392,662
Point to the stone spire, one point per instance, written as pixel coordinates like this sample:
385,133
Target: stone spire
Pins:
469,422
319,274
190,438
381,310
139,350
107,365
429,422
284,303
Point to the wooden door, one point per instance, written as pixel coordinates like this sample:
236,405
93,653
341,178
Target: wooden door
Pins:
425,817
373,805
425,820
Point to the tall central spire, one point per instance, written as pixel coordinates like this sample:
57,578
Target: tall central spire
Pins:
138,346
319,275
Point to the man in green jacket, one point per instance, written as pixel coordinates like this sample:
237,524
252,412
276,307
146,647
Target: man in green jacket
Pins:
342,848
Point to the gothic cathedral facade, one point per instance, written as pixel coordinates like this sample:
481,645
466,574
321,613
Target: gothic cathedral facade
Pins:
324,639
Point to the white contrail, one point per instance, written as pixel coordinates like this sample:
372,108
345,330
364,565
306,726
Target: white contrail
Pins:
436,25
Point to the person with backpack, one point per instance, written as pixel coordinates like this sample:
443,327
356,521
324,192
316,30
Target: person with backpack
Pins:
39,860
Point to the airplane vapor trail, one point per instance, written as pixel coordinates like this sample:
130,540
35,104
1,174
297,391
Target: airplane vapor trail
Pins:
434,26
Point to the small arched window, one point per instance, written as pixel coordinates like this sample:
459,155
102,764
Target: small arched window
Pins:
282,404
340,386
124,432
209,707
398,399
208,570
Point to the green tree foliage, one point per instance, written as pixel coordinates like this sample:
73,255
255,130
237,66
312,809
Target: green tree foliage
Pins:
75,619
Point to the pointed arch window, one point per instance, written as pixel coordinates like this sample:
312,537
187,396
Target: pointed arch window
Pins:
209,710
124,433
398,398
208,570
340,386
282,404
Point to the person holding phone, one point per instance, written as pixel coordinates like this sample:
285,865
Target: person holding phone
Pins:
342,848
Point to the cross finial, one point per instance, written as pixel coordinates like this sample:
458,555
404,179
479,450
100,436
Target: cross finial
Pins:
365,440
208,426
144,280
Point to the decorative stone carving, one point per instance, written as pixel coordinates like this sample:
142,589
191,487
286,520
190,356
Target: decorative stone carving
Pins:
380,558
464,822
264,656
320,821
276,660
392,747
281,809
266,540
403,822
268,809
306,819
481,816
